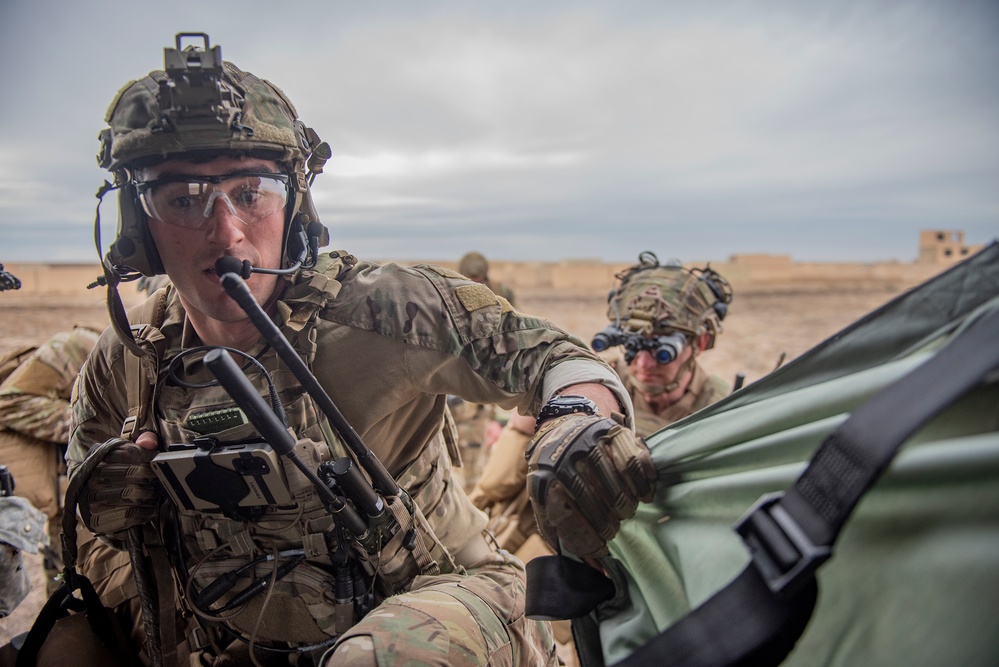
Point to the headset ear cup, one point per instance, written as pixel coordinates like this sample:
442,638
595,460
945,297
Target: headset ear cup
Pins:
304,226
134,246
297,246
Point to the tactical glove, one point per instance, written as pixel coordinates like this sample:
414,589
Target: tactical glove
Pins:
585,475
122,490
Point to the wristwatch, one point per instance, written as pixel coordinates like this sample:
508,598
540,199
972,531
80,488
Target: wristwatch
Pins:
567,404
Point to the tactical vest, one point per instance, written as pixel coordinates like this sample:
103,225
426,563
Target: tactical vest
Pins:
312,581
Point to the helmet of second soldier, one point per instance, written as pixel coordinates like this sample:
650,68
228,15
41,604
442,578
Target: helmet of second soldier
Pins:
199,107
473,265
654,299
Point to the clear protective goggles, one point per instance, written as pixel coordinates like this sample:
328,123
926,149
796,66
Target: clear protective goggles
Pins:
187,201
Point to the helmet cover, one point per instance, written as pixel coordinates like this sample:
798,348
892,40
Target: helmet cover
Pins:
654,299
474,265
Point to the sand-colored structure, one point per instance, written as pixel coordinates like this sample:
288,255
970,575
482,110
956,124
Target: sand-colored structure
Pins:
944,246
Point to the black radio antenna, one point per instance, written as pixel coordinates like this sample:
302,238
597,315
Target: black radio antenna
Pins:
240,293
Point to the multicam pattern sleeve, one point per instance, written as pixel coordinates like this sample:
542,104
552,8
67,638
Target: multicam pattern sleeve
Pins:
460,337
34,399
98,404
390,346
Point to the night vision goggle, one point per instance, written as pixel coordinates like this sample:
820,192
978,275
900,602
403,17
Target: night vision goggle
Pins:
664,348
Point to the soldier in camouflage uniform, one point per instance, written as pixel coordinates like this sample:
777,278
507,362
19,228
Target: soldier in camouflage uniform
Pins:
678,313
476,427
212,163
34,422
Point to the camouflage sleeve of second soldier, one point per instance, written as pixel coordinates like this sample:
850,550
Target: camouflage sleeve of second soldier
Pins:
34,399
465,340
99,400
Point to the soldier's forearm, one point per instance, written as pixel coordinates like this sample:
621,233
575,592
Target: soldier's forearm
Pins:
606,402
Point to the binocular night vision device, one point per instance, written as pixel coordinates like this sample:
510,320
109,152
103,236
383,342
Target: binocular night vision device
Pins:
664,349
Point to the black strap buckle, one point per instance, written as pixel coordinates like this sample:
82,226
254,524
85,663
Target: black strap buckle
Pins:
782,552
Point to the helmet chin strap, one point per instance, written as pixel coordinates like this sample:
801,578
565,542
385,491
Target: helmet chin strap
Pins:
111,278
657,390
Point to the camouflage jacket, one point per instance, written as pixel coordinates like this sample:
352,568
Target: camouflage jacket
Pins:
35,415
702,391
34,399
390,343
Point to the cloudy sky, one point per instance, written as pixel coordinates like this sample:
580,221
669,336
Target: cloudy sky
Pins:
547,130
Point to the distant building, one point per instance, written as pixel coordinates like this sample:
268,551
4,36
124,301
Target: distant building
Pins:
943,246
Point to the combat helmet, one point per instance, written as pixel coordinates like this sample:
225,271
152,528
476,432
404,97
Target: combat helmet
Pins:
200,105
474,265
662,307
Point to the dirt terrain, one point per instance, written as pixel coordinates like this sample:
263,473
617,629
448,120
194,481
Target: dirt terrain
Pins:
760,328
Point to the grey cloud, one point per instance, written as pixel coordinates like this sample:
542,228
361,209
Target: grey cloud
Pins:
567,129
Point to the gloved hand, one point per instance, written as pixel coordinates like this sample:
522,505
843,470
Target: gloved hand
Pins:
122,491
585,475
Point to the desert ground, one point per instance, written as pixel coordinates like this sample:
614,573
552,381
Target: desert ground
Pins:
762,327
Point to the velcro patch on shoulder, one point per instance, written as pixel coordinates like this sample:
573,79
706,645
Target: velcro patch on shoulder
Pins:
505,306
475,296
441,271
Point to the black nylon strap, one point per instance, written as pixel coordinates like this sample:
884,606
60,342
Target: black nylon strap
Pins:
758,617
742,624
561,588
852,458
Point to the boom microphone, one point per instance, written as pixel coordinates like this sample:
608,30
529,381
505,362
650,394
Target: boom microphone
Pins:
230,264
299,242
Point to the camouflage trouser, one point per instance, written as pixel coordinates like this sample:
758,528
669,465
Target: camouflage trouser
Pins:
457,620
461,620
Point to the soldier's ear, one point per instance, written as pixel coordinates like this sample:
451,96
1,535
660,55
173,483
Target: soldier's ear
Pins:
702,342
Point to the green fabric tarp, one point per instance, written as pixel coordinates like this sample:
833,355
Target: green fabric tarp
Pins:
914,577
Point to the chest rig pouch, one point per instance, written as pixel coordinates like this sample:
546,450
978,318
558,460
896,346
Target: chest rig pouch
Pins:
257,550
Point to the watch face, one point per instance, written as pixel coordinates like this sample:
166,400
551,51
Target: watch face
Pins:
572,402
567,405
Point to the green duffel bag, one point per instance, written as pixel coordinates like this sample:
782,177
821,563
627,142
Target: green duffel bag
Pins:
843,552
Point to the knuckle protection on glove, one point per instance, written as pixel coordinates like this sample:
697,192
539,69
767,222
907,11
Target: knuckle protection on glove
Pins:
585,476
631,457
121,492
562,522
